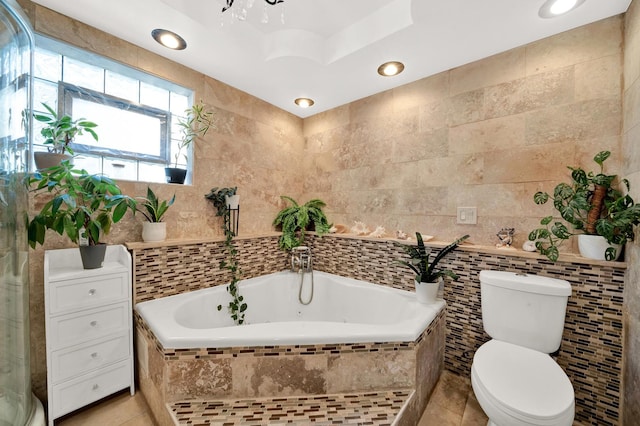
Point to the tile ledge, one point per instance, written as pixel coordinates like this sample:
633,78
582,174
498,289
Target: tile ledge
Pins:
140,245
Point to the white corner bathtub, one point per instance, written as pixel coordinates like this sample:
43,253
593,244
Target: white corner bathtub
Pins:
343,310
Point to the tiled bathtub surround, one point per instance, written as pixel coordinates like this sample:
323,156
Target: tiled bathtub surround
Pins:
211,374
591,351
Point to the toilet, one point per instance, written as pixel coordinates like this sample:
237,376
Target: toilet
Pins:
513,377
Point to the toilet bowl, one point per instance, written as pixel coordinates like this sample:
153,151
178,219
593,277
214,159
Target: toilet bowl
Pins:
513,377
518,386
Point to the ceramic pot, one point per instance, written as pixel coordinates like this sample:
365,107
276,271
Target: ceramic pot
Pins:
427,292
154,231
595,246
175,175
93,256
44,160
233,202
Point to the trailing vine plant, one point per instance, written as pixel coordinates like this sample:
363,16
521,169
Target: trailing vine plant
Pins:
237,306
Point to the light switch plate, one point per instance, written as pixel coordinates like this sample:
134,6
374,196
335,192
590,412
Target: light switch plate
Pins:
467,216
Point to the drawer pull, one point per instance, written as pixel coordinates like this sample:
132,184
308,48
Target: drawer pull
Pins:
95,386
93,323
94,355
92,292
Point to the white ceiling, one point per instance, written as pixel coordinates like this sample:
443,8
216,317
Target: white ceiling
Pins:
329,50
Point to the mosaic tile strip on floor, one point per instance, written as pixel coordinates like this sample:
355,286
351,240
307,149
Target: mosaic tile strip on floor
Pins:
371,408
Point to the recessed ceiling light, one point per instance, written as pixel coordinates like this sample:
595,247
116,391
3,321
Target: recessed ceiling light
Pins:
304,102
169,39
389,69
553,8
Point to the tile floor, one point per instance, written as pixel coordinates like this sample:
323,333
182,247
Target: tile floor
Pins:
452,404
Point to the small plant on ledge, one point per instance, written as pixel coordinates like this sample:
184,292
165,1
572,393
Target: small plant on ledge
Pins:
237,306
296,219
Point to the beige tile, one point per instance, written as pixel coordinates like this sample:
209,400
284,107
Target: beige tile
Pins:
574,122
543,90
451,392
115,410
506,66
422,92
488,135
142,420
600,39
473,413
599,78
436,415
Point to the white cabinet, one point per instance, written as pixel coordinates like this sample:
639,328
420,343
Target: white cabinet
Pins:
88,317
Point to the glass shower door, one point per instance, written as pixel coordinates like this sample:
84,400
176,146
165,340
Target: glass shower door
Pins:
16,45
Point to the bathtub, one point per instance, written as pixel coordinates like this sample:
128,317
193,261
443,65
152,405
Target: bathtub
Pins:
343,310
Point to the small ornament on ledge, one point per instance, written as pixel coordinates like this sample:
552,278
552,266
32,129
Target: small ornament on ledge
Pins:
401,235
529,246
506,238
379,232
359,228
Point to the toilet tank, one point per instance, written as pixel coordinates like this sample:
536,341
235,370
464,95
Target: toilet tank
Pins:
524,309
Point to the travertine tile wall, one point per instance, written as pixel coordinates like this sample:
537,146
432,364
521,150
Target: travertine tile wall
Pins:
488,134
631,168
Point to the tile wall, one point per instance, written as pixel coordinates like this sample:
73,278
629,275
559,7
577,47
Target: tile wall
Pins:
591,350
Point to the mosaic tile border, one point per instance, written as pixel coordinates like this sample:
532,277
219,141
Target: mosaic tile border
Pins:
370,408
174,269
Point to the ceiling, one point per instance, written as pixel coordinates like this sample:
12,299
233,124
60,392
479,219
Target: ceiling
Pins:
329,50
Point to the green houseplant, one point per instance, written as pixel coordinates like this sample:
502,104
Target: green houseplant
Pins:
428,275
295,219
593,205
197,122
59,133
237,306
153,209
82,205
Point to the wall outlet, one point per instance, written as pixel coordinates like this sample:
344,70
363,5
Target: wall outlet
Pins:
467,216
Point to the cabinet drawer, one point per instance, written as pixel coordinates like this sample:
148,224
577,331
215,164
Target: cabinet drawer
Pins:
70,329
77,393
83,293
69,363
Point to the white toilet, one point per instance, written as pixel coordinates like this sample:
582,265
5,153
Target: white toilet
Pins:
514,379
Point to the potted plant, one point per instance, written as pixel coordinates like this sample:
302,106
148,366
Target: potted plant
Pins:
82,206
428,277
296,219
197,122
153,210
59,133
219,197
597,210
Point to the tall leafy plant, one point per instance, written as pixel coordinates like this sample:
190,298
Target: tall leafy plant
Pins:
79,200
295,219
197,122
427,271
592,204
59,132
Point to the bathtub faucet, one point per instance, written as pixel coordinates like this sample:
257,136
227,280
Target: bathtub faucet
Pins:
301,259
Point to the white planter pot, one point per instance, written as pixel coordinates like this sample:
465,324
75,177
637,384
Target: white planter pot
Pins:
233,201
427,292
154,231
594,247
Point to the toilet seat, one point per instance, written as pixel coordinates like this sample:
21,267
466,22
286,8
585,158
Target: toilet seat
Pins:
524,384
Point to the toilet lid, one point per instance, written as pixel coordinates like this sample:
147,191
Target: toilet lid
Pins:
523,381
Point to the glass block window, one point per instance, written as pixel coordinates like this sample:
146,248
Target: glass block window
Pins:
136,113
